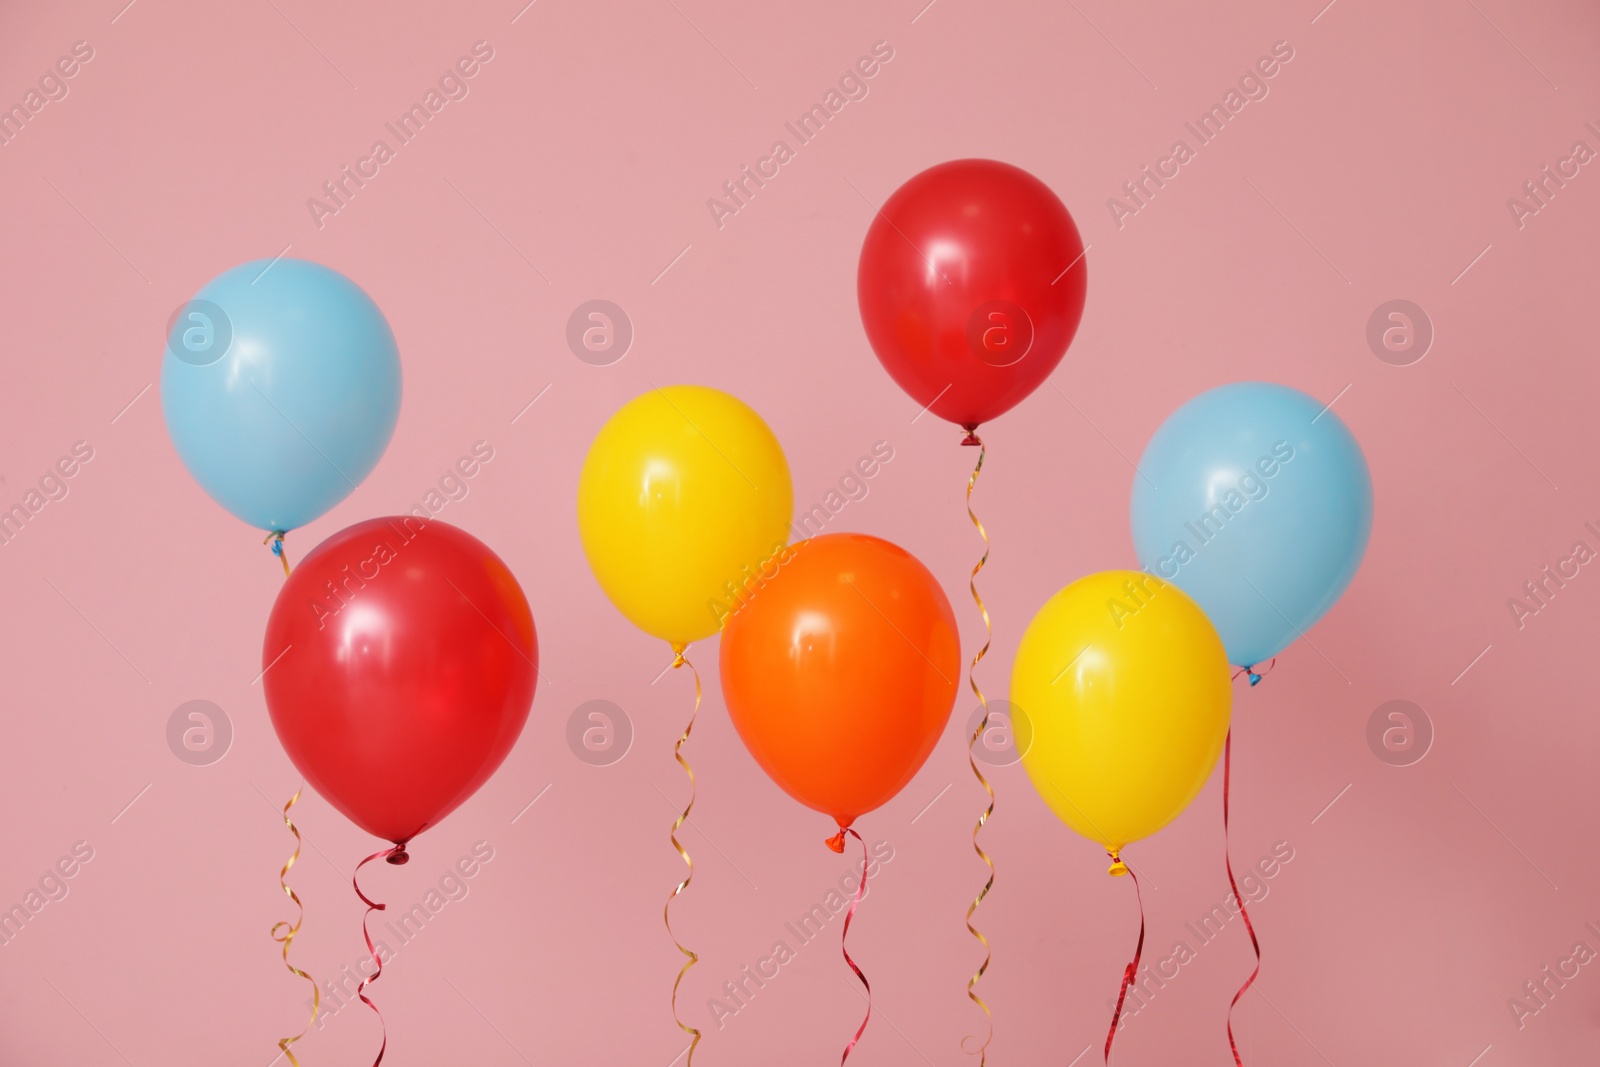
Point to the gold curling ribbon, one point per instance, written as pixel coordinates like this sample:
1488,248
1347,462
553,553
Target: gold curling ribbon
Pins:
680,660
972,680
275,539
283,933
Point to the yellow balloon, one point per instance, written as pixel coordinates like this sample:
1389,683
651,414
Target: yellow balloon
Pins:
684,495
1123,696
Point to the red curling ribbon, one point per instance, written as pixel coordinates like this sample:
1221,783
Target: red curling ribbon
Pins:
1227,767
395,855
861,891
1118,867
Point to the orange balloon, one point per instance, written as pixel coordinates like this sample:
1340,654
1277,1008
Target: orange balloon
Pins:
841,670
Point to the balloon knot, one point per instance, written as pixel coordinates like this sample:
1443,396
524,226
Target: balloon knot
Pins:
275,539
972,439
398,855
836,842
1118,868
1255,676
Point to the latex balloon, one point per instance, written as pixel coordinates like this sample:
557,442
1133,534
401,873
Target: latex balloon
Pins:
971,285
1120,697
684,495
1256,499
399,665
281,388
840,672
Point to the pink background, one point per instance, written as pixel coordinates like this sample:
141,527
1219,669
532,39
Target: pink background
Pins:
1378,168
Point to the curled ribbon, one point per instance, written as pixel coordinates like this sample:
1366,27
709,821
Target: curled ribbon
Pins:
283,933
395,855
275,539
844,936
1132,970
1227,774
680,660
972,438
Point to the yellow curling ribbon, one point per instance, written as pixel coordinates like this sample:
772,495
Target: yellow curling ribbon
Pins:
679,660
972,680
283,933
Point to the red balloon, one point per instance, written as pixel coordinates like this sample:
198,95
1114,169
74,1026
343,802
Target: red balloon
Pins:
399,662
971,285
840,672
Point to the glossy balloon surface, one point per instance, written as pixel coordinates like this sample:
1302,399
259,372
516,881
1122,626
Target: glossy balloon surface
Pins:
841,670
971,284
1256,499
280,385
684,494
400,661
1121,700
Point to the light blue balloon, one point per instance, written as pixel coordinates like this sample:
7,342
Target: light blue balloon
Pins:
1254,499
281,388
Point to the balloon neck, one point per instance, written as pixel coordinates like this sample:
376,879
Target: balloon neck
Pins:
836,842
972,439
1117,868
275,539
1255,676
398,855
